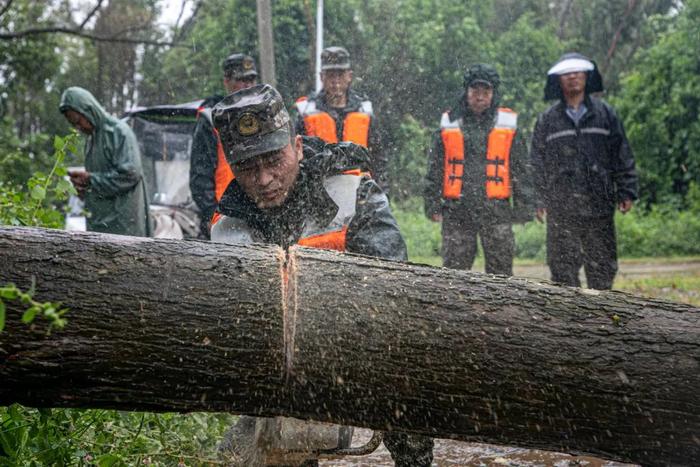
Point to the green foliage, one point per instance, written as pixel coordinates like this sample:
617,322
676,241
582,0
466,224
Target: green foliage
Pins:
659,232
521,68
36,205
422,236
677,287
660,104
530,240
107,437
408,164
52,312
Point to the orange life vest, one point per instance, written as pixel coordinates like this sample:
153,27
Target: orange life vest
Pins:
343,191
500,140
334,240
223,175
322,125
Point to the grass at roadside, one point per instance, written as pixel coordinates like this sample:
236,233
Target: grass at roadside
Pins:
684,288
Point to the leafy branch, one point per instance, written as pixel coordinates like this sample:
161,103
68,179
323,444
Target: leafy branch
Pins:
50,311
32,207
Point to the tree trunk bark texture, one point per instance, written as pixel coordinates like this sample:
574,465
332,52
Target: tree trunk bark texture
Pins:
164,325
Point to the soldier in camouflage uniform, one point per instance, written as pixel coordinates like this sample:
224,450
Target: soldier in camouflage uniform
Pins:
297,190
478,180
339,113
209,172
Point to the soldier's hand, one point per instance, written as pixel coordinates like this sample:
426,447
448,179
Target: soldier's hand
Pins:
625,206
436,218
540,214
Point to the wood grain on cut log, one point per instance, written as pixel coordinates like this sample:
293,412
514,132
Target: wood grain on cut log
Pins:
182,326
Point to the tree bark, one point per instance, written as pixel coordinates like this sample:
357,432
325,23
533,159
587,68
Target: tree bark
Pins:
166,325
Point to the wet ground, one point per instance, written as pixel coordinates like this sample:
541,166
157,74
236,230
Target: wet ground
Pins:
449,453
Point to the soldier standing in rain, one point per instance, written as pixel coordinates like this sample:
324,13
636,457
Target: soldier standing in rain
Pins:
584,169
339,113
292,190
210,174
112,183
478,180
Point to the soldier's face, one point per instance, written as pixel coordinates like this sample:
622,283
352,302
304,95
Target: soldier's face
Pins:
268,179
336,82
479,98
233,85
573,83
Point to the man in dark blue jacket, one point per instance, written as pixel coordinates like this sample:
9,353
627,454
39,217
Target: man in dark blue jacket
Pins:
583,170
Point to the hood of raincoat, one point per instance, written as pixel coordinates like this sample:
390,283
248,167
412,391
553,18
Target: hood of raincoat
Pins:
594,81
81,101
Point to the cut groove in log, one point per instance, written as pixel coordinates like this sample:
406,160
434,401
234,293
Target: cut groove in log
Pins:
164,325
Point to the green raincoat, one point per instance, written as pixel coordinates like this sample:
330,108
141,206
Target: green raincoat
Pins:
116,198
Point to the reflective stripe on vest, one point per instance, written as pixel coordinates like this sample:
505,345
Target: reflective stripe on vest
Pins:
343,191
322,125
453,160
500,140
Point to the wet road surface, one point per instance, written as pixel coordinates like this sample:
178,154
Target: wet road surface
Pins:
449,453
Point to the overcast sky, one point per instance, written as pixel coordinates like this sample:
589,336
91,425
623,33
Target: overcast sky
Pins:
171,8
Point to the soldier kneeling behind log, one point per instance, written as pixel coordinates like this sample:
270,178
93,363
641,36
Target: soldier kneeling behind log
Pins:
296,190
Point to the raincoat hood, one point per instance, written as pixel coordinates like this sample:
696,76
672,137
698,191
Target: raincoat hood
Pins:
569,63
82,101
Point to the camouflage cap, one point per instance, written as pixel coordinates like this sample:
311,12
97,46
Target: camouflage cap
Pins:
251,122
335,58
481,73
239,66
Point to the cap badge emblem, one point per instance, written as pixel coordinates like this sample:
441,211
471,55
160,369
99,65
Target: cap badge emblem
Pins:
248,124
247,64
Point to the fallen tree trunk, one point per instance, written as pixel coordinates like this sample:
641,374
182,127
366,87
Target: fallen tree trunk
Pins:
166,325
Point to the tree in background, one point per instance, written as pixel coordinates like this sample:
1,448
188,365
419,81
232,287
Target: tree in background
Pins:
408,56
660,103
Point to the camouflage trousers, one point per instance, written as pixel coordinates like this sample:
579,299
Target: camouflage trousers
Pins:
575,242
459,234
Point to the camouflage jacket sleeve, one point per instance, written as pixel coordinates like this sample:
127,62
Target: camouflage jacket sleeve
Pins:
374,230
202,167
432,190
